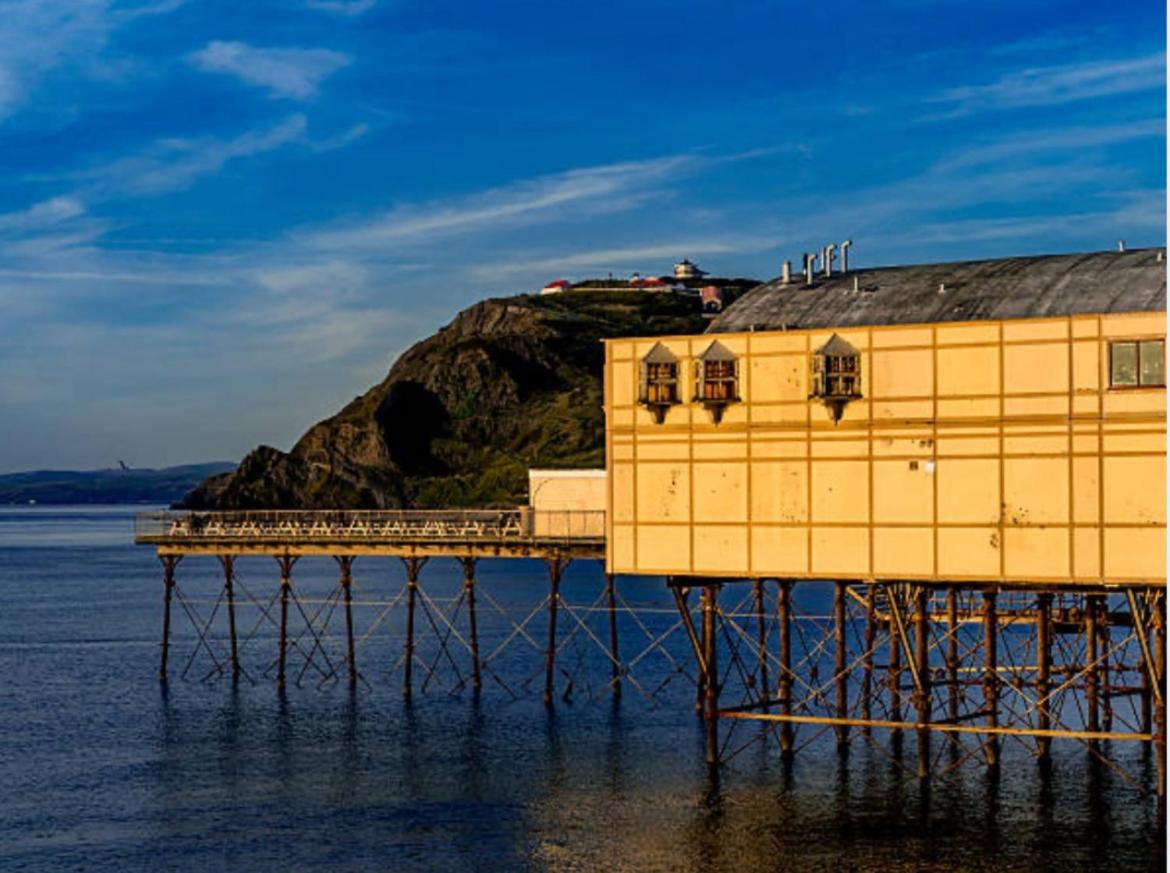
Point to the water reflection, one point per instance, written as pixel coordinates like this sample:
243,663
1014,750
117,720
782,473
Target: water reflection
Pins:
104,772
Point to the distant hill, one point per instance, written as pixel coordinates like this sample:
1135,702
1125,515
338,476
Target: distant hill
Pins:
509,384
106,486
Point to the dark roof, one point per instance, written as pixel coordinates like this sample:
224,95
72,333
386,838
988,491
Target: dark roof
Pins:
717,352
660,354
836,346
1003,288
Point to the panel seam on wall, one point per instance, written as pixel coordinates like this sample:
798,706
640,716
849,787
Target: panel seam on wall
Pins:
1102,374
1072,536
1002,492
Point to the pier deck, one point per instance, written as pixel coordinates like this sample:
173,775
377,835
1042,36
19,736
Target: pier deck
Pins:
470,533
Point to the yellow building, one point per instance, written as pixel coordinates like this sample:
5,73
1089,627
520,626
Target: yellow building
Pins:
567,502
999,421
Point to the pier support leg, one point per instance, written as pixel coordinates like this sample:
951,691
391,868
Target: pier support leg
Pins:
1092,674
286,564
952,656
345,564
1159,619
1146,710
229,577
922,667
1043,674
761,641
169,563
1106,688
991,677
469,588
701,688
616,664
895,670
867,659
841,677
556,567
413,567
784,617
711,668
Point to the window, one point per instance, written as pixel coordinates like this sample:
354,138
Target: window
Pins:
662,383
1137,363
836,375
717,379
659,381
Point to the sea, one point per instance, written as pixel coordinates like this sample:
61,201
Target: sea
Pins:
102,768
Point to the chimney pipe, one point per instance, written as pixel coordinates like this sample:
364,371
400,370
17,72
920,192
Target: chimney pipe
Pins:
845,255
786,272
827,261
856,285
809,260
1121,245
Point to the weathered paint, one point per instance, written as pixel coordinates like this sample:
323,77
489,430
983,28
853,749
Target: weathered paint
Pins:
983,451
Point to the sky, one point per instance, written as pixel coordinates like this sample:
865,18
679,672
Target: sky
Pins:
220,221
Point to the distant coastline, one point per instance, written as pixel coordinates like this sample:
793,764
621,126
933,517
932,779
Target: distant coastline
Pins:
109,486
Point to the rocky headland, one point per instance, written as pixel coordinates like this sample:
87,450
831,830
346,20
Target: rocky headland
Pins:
509,384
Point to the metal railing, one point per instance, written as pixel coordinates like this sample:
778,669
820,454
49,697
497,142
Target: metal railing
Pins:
370,526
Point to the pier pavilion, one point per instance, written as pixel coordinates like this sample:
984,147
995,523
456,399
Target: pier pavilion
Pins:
967,458
971,455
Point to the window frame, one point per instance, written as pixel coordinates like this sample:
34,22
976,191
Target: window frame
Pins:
717,356
1137,343
729,381
667,384
671,384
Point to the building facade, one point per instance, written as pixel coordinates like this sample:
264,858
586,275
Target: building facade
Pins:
998,421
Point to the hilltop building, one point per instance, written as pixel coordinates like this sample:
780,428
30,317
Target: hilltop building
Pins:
998,420
684,269
711,297
557,286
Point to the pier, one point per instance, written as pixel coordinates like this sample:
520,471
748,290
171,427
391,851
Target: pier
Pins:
939,675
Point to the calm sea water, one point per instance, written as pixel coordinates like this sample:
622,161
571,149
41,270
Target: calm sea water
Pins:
100,770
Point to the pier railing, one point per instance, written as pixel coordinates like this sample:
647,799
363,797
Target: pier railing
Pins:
371,526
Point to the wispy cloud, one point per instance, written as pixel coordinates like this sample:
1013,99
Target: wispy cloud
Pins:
340,140
608,187
1074,138
1056,85
342,7
39,215
599,261
294,73
40,36
174,164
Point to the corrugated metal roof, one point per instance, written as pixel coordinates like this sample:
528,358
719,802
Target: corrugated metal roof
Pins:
1003,288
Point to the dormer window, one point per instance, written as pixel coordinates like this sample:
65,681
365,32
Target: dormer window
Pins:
659,381
716,379
836,375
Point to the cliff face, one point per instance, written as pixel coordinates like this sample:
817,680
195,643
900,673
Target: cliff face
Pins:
509,384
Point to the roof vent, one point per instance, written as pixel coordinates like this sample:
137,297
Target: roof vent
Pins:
786,272
942,288
1161,256
809,260
1121,245
856,284
845,255
827,256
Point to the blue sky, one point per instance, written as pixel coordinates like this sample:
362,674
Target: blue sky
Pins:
221,221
